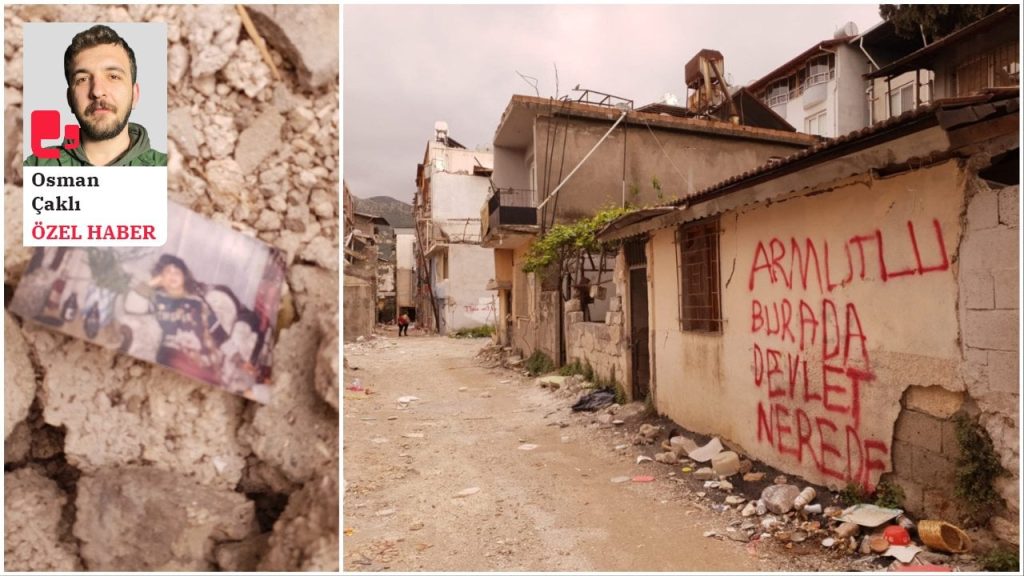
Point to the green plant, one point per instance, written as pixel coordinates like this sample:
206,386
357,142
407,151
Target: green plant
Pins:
656,184
571,369
566,240
977,469
478,332
539,363
1001,560
854,493
889,495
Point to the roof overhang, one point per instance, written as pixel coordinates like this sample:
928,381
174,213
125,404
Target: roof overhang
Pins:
948,129
797,62
925,57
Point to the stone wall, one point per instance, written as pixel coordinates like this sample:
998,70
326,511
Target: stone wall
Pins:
990,321
603,346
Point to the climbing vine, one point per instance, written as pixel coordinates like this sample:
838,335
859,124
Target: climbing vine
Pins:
566,245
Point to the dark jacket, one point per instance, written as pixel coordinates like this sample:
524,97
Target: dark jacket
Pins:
138,154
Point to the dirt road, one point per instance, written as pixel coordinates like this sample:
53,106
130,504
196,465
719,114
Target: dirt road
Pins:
550,508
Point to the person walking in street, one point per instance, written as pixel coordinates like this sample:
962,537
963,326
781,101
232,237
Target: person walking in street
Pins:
403,324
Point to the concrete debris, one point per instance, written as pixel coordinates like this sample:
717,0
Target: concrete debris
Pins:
212,37
326,374
779,498
150,520
35,539
725,463
725,485
735,500
753,476
118,411
805,497
246,71
19,376
260,140
707,451
300,33
297,432
305,537
666,458
646,434
703,474
243,556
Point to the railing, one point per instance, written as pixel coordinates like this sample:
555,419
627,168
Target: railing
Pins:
510,206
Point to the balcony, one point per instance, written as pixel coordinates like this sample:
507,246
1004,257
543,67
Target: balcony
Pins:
509,216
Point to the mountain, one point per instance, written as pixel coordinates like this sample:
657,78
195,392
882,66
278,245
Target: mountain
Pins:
398,213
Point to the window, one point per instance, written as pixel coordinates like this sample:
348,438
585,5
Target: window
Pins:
1001,67
820,70
700,306
817,124
778,92
901,99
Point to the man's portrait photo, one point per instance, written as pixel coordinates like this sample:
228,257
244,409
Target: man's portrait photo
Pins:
114,84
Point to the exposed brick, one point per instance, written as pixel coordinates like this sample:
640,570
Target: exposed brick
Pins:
979,291
934,400
983,210
1009,206
919,430
913,495
1007,288
950,446
903,459
991,329
987,250
934,470
1004,372
941,504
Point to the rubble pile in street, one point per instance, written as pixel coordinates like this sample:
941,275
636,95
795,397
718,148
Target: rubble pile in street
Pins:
767,511
202,479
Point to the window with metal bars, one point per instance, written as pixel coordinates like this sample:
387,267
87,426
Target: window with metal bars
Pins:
700,305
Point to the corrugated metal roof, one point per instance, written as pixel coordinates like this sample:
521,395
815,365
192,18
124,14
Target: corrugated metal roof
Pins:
945,111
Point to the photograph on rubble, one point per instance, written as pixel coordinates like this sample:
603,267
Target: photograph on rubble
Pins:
66,108
204,305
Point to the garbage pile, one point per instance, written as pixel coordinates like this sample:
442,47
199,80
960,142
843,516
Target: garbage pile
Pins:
115,464
789,515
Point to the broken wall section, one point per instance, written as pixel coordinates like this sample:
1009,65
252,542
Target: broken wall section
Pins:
989,283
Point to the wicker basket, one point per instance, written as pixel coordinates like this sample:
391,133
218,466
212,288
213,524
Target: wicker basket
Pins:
943,536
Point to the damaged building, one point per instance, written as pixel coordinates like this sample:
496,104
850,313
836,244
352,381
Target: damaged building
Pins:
453,267
557,161
834,313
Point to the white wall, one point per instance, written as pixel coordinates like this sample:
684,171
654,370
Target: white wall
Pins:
458,196
469,303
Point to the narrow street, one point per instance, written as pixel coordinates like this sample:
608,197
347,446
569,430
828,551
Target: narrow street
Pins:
550,508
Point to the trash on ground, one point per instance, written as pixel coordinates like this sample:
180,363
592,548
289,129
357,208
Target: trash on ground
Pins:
812,509
726,463
643,478
406,400
386,512
620,479
527,447
413,435
943,536
618,422
869,515
468,492
379,440
805,497
902,553
897,535
828,542
594,401
640,459
705,452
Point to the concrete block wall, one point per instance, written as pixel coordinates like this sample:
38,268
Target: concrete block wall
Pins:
989,322
925,450
603,346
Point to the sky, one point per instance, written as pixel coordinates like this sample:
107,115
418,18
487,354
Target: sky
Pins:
406,67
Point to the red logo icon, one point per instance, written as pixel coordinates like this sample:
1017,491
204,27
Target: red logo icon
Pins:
45,125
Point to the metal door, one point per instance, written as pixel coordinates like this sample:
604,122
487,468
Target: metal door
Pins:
636,259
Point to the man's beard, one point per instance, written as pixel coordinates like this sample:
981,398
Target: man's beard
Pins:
89,127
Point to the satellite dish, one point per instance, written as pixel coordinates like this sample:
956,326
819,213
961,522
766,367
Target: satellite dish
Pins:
848,29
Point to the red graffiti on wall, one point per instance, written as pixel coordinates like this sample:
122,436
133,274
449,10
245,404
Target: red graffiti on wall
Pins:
814,415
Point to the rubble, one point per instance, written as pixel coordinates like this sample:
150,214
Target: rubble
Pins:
305,537
151,520
725,463
779,497
35,538
241,147
301,35
19,376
